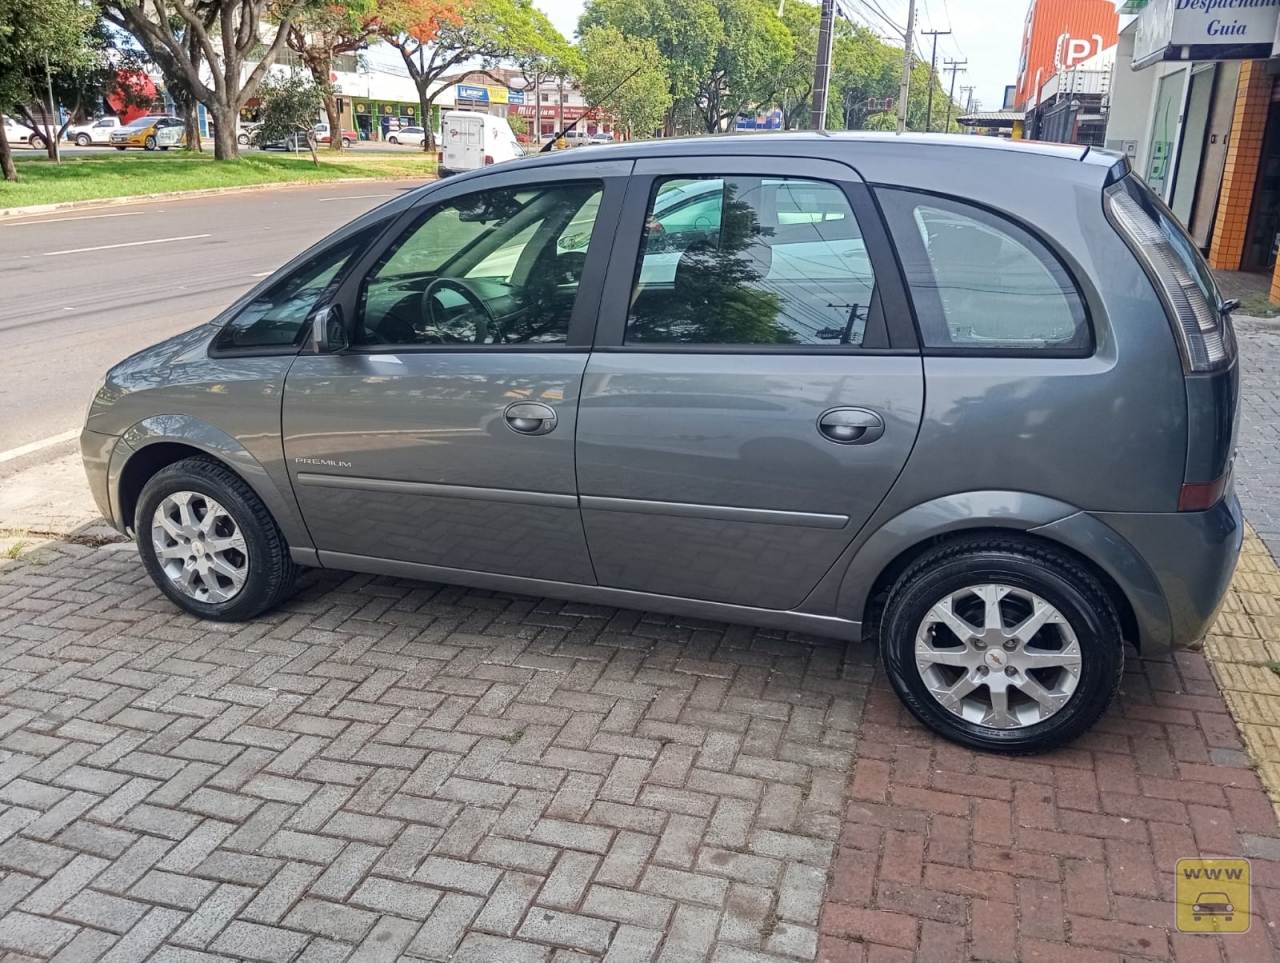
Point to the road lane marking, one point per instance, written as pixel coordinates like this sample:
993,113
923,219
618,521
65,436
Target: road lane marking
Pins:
108,247
27,449
354,197
84,217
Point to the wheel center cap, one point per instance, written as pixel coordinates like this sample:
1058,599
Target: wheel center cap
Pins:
198,549
996,659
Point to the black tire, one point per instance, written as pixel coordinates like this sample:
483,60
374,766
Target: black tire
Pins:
37,142
392,140
1021,564
150,142
243,140
83,140
121,148
271,570
346,142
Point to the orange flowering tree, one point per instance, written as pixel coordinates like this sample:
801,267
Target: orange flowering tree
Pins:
439,38
319,33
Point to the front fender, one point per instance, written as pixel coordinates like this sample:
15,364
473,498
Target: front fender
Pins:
213,441
1019,512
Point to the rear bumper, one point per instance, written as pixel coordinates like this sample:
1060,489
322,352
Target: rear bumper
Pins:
1192,556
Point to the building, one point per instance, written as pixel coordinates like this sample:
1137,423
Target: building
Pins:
1195,105
1059,35
1071,105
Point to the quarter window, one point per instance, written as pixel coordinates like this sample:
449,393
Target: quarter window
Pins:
494,267
751,260
277,317
980,282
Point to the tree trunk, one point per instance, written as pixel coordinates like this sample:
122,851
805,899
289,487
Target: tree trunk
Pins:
7,167
225,146
335,119
191,123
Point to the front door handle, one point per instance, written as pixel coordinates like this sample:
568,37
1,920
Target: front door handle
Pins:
530,418
850,426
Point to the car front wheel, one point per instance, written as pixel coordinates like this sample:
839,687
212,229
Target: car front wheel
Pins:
1002,645
346,142
150,142
209,542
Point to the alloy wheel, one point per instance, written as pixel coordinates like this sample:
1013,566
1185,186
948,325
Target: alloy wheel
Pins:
199,546
998,656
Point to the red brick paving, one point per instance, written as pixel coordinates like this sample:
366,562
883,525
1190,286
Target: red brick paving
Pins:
952,856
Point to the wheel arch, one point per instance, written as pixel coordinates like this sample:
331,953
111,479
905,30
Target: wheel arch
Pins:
155,443
890,550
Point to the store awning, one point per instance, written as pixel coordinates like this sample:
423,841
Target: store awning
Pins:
992,118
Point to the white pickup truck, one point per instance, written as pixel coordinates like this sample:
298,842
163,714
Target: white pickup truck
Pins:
19,134
95,132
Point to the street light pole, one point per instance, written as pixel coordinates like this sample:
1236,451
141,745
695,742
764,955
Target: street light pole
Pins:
908,41
933,72
822,70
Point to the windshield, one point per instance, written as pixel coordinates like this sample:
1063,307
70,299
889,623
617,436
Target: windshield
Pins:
143,122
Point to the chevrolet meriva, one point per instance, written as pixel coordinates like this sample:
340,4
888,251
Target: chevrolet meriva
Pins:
974,400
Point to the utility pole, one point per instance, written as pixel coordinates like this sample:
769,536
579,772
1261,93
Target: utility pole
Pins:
822,71
968,92
933,73
955,66
908,41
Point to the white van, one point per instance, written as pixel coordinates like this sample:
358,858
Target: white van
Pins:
471,140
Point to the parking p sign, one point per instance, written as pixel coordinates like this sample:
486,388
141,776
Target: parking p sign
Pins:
1213,895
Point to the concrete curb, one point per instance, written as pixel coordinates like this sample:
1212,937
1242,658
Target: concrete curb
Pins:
200,192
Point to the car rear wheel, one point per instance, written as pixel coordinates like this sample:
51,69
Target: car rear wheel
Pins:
1002,645
210,544
150,142
37,142
243,140
120,148
83,140
392,140
346,142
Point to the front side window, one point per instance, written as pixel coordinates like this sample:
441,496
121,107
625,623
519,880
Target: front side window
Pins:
981,282
750,260
277,317
492,267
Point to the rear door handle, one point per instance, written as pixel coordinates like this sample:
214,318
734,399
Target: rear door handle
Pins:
530,418
850,426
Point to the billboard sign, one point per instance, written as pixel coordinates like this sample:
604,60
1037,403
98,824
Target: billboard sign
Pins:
1205,30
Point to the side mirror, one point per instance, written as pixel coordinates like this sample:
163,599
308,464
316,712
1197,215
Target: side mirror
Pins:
1230,305
328,332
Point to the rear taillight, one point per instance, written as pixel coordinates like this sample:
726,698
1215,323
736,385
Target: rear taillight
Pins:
487,160
1202,496
1204,333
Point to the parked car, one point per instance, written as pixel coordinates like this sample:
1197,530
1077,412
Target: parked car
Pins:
470,140
248,133
292,143
601,137
150,133
414,136
920,390
20,135
95,132
323,136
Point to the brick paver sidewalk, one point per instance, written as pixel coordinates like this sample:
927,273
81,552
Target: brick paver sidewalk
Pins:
391,768
1060,858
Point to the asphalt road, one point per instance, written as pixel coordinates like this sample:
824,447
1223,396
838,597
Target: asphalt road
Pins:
80,290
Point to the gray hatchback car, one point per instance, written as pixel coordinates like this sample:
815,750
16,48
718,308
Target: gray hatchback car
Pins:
974,400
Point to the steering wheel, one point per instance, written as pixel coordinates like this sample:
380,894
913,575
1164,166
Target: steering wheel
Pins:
486,323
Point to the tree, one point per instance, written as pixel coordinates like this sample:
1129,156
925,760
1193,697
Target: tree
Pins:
319,34
288,105
687,34
795,83
38,36
754,49
226,33
644,97
544,54
436,39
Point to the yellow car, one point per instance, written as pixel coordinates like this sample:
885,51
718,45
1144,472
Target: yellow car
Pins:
150,133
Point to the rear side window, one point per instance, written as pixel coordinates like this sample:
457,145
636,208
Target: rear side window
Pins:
750,260
982,283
